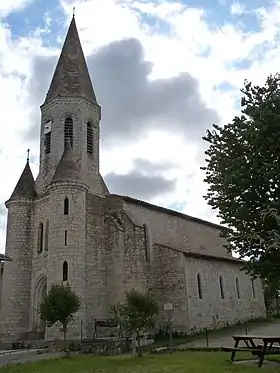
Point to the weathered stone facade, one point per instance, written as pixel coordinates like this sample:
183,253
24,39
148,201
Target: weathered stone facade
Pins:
66,226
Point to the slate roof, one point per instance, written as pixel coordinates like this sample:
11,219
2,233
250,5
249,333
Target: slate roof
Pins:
68,167
71,76
25,186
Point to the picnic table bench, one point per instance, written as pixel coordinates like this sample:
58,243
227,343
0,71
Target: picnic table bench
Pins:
267,347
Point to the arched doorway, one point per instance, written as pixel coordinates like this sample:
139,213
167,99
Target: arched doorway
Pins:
40,292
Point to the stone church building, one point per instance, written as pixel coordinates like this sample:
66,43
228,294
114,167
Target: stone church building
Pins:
66,226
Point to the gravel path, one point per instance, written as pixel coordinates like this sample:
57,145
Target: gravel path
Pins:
25,356
224,339
218,340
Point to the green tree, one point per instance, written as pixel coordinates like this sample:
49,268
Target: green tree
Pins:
59,306
137,315
271,294
243,176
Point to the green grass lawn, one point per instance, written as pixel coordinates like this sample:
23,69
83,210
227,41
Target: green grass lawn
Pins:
189,362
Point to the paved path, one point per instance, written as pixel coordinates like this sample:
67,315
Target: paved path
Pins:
25,356
224,338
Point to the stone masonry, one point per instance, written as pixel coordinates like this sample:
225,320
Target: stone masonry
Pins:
65,226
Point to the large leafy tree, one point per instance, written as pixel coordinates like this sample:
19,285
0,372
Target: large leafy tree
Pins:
243,173
59,306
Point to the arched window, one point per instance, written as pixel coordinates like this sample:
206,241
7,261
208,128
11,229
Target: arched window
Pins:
237,287
65,271
40,238
47,236
221,283
253,288
198,278
89,138
66,206
68,131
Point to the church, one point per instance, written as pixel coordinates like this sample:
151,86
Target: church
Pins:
66,226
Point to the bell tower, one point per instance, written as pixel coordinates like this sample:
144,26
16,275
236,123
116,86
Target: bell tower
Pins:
70,114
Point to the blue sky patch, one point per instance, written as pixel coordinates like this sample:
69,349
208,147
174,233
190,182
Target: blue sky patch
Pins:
35,16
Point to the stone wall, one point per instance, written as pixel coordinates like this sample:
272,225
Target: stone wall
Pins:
172,274
1,280
95,264
17,273
212,310
126,266
39,259
115,251
135,265
168,286
175,229
73,251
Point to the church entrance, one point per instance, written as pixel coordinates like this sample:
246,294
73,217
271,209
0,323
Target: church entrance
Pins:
38,324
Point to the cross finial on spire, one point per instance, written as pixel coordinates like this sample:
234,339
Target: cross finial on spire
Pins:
28,151
74,8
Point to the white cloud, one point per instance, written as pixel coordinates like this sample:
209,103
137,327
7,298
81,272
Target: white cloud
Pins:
237,8
10,6
208,53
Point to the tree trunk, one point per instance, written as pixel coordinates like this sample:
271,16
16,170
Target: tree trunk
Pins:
139,349
67,352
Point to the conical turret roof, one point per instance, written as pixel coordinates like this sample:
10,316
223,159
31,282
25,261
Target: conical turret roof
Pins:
68,168
25,186
71,76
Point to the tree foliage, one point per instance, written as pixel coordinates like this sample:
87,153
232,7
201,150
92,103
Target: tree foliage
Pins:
59,306
137,315
243,173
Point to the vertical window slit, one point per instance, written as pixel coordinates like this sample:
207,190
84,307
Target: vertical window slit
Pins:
237,288
221,283
47,236
40,237
65,271
199,286
66,206
253,289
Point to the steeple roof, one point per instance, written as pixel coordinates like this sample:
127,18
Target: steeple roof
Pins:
71,76
68,167
25,186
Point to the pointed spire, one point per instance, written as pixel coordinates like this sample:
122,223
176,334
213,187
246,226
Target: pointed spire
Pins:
71,76
25,186
68,168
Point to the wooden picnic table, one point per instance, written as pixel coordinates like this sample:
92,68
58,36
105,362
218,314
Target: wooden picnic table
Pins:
267,347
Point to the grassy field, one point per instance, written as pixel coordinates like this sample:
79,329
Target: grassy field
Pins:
182,362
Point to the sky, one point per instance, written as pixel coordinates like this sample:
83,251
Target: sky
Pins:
163,71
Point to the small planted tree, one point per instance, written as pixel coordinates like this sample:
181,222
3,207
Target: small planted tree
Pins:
59,306
137,315
118,315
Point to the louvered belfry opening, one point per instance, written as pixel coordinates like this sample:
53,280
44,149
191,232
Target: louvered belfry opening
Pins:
68,132
89,138
48,143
